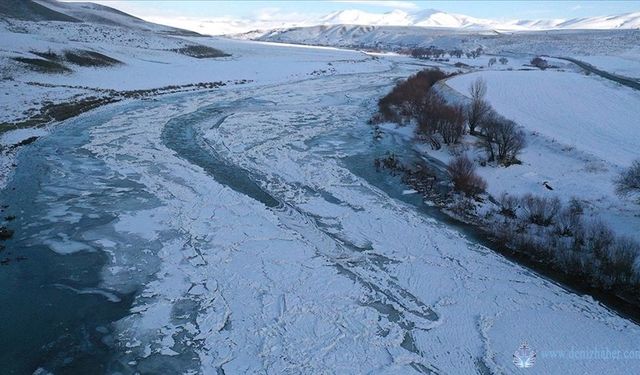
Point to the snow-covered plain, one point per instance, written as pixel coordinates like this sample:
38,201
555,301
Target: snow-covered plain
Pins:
582,131
627,65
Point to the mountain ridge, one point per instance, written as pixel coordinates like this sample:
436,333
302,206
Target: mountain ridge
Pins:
437,18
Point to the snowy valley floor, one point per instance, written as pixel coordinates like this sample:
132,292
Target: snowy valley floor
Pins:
233,224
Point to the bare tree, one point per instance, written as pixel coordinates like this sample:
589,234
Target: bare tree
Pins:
492,61
451,123
464,177
478,108
438,117
501,139
504,60
510,141
628,182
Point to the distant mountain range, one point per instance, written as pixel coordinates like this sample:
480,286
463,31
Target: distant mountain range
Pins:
428,18
52,10
436,18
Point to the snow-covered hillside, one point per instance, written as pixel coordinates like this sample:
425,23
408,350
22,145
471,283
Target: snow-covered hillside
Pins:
437,18
53,10
426,18
582,131
396,38
423,18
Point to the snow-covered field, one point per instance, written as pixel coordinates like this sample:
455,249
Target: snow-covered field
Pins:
582,131
624,65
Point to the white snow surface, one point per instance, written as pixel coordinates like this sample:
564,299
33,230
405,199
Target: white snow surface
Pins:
594,115
341,279
582,131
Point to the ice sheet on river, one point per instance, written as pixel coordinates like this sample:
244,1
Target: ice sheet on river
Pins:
334,278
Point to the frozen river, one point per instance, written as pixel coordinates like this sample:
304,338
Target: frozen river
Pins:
235,232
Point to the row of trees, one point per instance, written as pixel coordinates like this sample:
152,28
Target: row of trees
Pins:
435,52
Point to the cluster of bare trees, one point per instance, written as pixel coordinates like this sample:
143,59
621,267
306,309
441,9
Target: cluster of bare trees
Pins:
539,63
439,118
546,230
440,122
427,53
433,52
407,99
499,137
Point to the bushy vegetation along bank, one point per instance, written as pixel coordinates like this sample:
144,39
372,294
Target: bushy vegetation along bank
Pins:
543,229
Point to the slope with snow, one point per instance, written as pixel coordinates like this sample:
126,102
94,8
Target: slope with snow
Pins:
103,15
582,131
531,43
437,18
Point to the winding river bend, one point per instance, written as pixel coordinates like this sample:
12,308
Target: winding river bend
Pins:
226,232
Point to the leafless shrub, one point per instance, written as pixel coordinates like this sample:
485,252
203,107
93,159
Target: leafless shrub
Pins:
464,177
568,222
620,263
540,63
540,210
628,182
508,205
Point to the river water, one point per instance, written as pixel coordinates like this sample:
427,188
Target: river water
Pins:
246,230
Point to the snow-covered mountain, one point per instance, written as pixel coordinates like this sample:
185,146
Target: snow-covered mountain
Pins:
436,18
53,10
623,21
423,18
